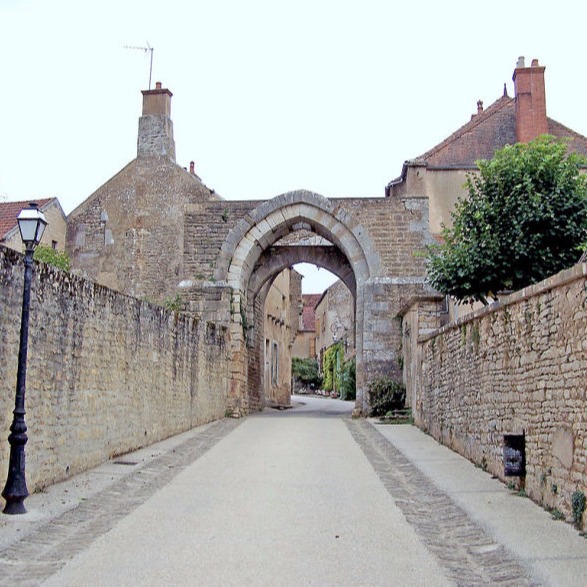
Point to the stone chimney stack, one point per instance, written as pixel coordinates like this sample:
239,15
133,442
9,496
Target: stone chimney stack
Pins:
530,101
155,126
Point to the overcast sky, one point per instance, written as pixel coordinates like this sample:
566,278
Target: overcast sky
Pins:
269,96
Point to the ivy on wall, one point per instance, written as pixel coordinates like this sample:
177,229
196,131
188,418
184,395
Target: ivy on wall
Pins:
339,375
333,359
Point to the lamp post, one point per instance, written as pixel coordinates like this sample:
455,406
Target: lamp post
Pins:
31,223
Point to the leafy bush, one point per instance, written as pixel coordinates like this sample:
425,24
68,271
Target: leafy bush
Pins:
306,371
51,256
348,388
578,503
386,395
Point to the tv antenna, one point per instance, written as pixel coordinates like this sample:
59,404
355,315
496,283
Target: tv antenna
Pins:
145,49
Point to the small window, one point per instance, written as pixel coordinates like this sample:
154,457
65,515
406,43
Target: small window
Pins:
54,245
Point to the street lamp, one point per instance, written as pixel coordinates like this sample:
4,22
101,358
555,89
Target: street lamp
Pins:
31,223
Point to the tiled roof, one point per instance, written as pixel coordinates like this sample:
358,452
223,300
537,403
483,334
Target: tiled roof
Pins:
10,210
485,133
478,139
309,311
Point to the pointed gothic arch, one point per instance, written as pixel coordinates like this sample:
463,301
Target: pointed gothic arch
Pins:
260,229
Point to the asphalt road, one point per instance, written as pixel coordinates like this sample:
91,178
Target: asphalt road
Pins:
306,496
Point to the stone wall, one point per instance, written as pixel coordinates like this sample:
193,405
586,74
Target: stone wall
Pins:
516,367
106,374
335,314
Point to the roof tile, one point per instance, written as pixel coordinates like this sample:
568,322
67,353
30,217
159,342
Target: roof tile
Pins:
10,210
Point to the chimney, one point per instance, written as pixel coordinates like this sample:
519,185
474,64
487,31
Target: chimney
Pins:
530,101
192,166
155,126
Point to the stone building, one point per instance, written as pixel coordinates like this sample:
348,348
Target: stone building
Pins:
54,235
156,231
281,308
335,320
305,342
441,172
129,234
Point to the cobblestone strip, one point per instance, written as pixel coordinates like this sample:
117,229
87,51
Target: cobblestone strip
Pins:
38,556
468,555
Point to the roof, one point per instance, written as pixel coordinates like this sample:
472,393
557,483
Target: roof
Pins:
487,131
309,302
10,210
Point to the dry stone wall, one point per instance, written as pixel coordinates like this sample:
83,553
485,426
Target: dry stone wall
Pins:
518,367
107,373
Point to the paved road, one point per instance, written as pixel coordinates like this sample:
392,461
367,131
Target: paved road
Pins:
306,496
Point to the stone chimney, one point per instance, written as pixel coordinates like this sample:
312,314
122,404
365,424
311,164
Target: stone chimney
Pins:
155,126
530,101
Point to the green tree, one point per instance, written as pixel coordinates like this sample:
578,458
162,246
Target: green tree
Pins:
51,256
525,218
306,371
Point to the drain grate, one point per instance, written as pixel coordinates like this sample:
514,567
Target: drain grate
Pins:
130,463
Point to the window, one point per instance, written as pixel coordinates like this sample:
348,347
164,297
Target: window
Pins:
274,364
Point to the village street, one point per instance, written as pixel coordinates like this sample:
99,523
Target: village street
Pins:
306,496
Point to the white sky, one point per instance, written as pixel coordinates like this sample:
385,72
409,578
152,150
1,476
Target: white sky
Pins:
269,96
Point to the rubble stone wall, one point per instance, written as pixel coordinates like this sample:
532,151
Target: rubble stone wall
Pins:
106,374
517,367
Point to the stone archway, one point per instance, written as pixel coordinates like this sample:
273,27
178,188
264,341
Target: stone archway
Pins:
277,258
238,267
269,266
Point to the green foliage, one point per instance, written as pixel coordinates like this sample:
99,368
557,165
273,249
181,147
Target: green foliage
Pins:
556,514
386,395
331,362
51,256
348,376
175,303
525,218
578,503
339,375
306,371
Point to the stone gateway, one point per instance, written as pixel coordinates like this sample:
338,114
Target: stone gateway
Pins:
155,231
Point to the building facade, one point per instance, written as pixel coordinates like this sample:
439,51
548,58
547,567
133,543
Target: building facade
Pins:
335,320
305,342
54,235
440,173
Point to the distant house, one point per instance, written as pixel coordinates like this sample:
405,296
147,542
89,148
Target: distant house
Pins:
441,172
280,329
304,345
54,235
335,320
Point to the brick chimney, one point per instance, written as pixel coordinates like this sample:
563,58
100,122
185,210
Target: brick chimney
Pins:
530,101
155,126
